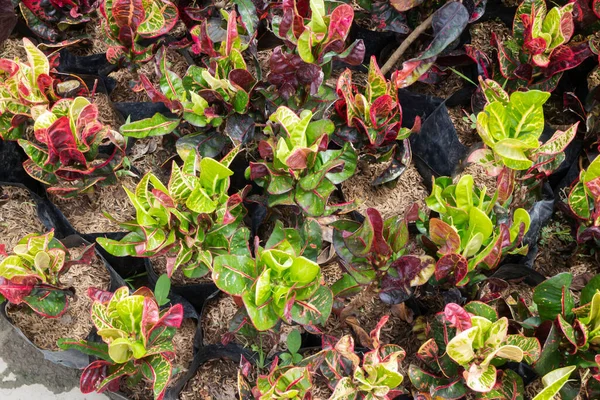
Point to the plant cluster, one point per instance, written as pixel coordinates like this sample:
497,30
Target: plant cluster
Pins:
133,26
66,155
511,128
296,167
313,39
30,274
137,341
204,97
48,20
189,221
469,234
28,89
468,349
281,282
540,49
378,251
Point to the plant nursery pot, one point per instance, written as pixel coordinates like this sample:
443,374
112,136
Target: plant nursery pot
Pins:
213,372
185,341
76,316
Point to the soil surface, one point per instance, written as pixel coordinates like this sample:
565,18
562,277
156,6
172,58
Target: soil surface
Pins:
215,380
389,201
75,322
18,216
85,213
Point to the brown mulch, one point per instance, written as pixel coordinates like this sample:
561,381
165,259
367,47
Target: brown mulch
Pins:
18,216
85,212
215,380
389,201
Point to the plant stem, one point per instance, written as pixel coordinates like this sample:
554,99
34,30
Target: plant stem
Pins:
405,44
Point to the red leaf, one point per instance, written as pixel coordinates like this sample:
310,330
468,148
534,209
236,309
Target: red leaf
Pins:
457,316
297,160
164,199
172,318
128,13
150,315
451,264
567,57
379,245
506,184
157,96
93,375
3,250
102,296
340,22
15,292
444,236
202,42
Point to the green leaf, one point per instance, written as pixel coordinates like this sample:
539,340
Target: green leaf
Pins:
263,287
520,216
548,296
233,274
512,153
315,310
247,11
481,309
553,382
263,317
162,289
158,125
460,347
99,350
294,341
588,292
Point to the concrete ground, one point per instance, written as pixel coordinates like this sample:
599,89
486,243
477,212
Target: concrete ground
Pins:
26,375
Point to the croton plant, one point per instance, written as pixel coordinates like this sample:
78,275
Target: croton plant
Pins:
470,234
204,97
511,127
48,19
540,49
66,155
132,28
31,273
378,251
314,38
137,341
467,353
189,222
371,120
282,282
284,382
378,376
570,334
28,88
584,202
296,167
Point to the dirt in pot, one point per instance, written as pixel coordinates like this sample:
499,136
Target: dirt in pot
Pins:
215,380
480,178
465,131
389,201
178,278
85,212
107,114
153,155
75,323
481,36
18,216
183,342
216,317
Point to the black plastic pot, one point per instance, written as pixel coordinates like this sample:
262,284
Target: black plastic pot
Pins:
230,352
95,64
70,358
436,148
